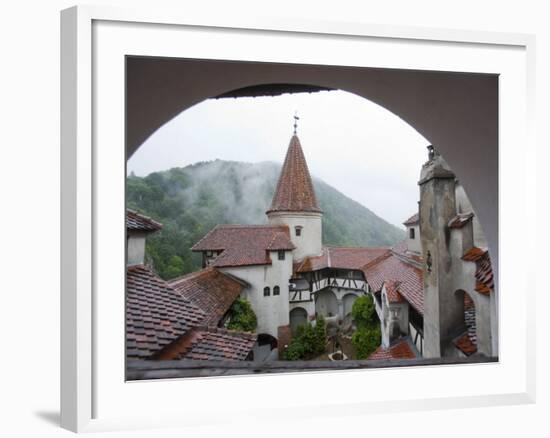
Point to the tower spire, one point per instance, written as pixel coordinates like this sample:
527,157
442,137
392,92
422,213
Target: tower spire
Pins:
294,190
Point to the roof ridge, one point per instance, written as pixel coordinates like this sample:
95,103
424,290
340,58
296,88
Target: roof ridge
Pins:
357,247
191,275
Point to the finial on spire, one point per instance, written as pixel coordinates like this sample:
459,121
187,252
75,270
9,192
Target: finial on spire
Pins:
296,118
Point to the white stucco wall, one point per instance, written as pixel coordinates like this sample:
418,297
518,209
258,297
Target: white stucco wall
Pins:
392,314
463,205
310,241
136,249
271,311
463,276
414,244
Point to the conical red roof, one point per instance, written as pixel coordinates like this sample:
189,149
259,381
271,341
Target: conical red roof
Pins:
294,190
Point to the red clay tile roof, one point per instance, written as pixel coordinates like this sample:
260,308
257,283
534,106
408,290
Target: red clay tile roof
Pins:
139,222
402,250
414,219
484,271
392,292
409,276
402,349
211,291
156,314
294,190
460,220
343,258
210,343
464,343
243,245
474,254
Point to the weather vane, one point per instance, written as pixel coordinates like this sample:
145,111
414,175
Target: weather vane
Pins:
296,118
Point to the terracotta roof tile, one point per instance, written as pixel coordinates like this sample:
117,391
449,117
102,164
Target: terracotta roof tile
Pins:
460,220
210,343
343,258
414,219
294,190
409,276
484,271
211,291
392,291
243,245
401,249
156,314
464,343
402,349
138,222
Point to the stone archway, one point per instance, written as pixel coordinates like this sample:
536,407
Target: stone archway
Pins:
469,318
326,303
264,347
456,112
297,317
348,301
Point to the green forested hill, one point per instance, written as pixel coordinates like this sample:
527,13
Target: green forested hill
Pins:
190,201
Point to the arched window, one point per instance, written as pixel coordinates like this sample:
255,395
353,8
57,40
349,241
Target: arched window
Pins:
276,290
266,291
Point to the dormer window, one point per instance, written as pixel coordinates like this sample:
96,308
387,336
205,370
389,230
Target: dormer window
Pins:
411,233
298,230
281,255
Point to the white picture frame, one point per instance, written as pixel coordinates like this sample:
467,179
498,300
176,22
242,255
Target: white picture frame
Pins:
90,401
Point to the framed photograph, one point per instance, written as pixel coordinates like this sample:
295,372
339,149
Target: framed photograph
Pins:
269,210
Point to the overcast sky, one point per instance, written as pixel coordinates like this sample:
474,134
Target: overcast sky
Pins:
358,147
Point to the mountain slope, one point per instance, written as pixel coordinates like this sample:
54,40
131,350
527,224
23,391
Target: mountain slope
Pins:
190,201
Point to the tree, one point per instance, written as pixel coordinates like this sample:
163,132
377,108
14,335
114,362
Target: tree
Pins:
241,316
363,312
174,268
367,337
366,340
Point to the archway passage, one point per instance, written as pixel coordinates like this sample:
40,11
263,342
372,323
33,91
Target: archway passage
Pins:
298,317
348,300
263,350
467,342
326,303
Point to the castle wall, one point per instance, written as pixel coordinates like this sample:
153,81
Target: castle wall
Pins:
309,242
272,311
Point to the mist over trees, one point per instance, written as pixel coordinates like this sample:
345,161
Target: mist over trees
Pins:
190,201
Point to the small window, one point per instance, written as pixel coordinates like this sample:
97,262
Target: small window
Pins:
266,291
411,233
298,230
281,255
276,290
209,254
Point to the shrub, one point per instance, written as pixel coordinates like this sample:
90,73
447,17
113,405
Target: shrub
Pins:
366,340
241,316
308,341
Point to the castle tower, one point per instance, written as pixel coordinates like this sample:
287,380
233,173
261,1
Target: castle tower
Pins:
295,204
443,308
